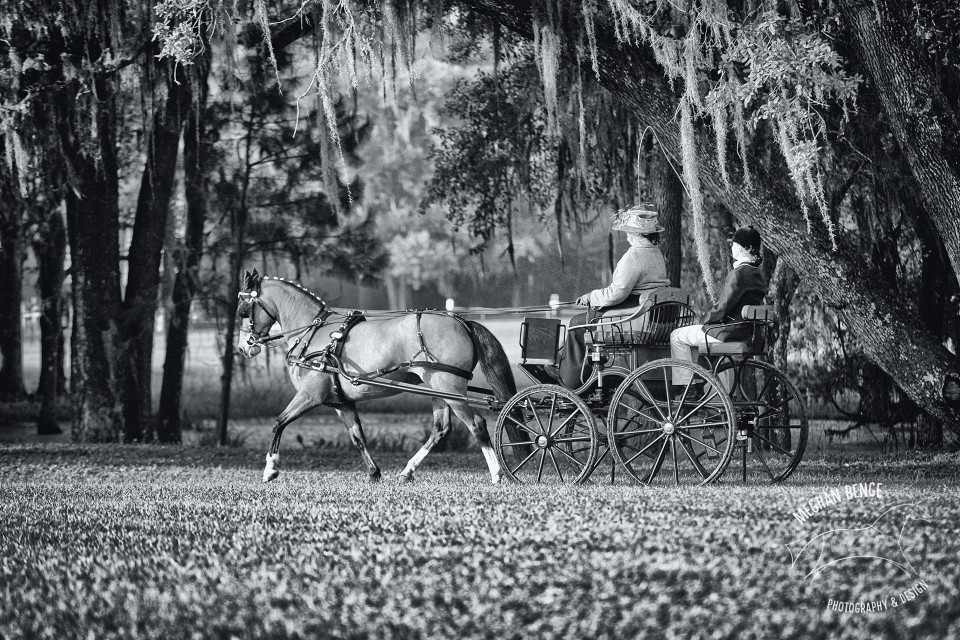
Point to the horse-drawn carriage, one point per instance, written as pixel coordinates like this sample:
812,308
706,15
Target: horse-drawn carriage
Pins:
739,407
629,411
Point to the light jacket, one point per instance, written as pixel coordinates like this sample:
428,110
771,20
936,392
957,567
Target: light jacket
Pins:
640,269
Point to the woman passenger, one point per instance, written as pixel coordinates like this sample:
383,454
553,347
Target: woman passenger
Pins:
639,271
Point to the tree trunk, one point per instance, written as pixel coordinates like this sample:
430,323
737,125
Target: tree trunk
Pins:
146,246
922,119
11,294
50,249
230,347
783,286
93,229
888,329
185,285
668,198
937,305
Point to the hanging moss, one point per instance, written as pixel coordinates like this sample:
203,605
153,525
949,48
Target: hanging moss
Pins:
691,176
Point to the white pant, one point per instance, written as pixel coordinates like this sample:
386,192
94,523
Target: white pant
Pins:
685,344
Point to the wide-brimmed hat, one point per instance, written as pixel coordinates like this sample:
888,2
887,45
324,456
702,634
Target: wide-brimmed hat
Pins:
640,218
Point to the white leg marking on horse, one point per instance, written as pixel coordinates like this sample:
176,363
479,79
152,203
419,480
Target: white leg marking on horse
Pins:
495,472
271,470
407,473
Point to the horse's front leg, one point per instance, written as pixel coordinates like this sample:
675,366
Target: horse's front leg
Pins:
351,420
301,403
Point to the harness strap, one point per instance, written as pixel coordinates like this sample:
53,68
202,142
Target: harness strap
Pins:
336,399
318,322
424,351
331,354
426,364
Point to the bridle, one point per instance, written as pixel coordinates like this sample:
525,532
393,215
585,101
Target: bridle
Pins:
253,299
264,338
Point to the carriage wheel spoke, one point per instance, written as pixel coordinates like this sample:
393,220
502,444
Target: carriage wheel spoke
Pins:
627,434
517,444
564,423
766,384
713,394
657,462
649,398
673,452
573,439
570,457
766,466
774,445
523,426
772,409
686,390
525,460
579,451
641,451
596,465
702,444
553,408
641,413
543,456
537,417
666,386
555,465
700,425
695,461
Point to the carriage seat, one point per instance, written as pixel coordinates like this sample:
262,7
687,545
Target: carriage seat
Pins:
760,317
663,310
725,349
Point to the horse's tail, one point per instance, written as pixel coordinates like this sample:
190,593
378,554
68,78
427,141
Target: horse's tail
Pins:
493,361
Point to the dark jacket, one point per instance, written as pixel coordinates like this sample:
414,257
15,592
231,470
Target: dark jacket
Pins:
744,285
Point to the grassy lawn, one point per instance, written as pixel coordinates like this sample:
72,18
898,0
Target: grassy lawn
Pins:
142,541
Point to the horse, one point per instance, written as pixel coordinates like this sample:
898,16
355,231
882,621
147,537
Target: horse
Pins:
436,349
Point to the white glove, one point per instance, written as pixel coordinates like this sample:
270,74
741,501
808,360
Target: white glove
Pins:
584,300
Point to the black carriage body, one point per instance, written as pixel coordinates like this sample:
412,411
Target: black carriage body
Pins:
740,405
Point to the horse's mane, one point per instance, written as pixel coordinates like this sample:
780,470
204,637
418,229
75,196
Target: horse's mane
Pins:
297,285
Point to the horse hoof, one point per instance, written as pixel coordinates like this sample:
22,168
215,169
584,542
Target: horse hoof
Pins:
405,477
270,475
374,477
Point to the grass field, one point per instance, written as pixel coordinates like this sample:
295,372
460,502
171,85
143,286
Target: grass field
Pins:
145,541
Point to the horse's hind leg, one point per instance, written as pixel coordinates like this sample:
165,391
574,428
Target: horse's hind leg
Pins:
441,427
450,383
301,403
351,420
478,427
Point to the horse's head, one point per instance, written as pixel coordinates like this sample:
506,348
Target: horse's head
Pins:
261,314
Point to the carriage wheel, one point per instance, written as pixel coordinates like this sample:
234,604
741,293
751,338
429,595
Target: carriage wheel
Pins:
684,431
545,433
772,421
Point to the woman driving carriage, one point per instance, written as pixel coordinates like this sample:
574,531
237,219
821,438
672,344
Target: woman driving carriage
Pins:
745,285
640,271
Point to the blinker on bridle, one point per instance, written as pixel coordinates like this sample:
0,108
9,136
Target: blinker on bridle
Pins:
253,299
